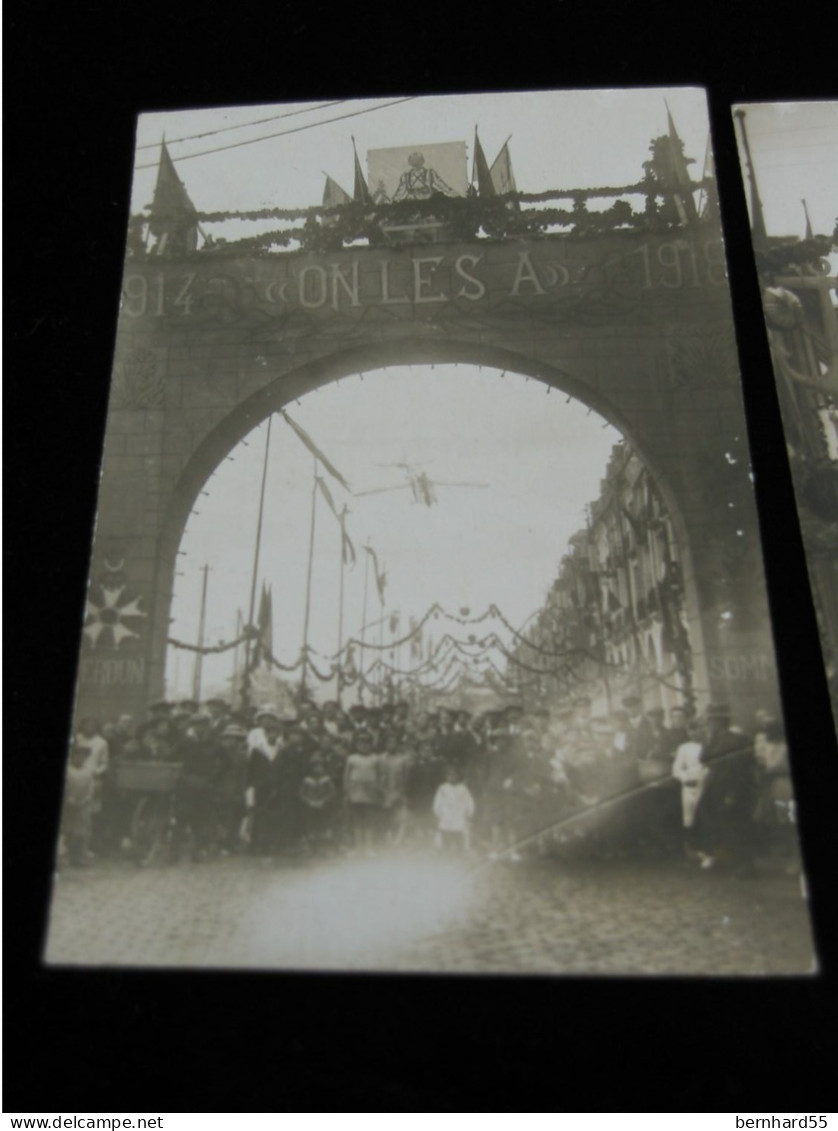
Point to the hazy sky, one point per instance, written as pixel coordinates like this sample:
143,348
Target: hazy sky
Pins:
794,146
541,458
535,461
560,139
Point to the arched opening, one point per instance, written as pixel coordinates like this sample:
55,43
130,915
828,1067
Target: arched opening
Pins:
469,442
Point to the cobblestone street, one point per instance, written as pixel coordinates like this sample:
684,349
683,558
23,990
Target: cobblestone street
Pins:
424,913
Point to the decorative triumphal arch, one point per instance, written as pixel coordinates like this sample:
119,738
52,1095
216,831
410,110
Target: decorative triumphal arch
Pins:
635,324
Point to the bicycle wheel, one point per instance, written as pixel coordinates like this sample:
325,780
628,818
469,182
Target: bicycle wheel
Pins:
148,827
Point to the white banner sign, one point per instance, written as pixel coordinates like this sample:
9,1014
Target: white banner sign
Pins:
416,172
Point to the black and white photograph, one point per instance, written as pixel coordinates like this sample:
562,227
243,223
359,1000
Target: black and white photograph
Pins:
427,627
789,155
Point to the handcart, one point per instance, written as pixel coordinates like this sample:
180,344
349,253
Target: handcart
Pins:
153,814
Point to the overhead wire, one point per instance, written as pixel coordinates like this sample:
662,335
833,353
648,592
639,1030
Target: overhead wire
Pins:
284,133
244,125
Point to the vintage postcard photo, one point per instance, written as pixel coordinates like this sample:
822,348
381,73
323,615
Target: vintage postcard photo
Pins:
427,627
789,156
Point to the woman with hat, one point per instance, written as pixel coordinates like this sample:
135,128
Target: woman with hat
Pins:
232,783
202,762
774,812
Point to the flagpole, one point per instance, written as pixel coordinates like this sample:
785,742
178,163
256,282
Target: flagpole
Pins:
703,194
363,626
308,581
393,664
380,649
248,651
196,674
235,680
758,229
340,607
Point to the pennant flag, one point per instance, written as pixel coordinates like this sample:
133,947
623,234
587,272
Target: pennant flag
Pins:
347,549
501,173
380,577
333,195
263,652
173,219
394,623
361,192
315,451
327,495
349,556
480,170
415,640
679,175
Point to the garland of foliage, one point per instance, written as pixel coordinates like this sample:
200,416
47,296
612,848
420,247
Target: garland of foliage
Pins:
466,218
810,253
431,206
455,650
206,650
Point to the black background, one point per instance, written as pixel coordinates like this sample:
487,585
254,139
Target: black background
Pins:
125,1041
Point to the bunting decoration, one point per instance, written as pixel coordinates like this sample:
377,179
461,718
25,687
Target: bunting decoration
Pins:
315,451
471,656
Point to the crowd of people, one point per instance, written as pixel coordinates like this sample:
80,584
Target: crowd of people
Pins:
322,779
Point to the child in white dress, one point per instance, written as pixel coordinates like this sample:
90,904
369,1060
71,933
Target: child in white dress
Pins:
454,808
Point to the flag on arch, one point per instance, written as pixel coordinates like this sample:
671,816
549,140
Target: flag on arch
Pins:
360,191
480,170
503,178
173,218
333,195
